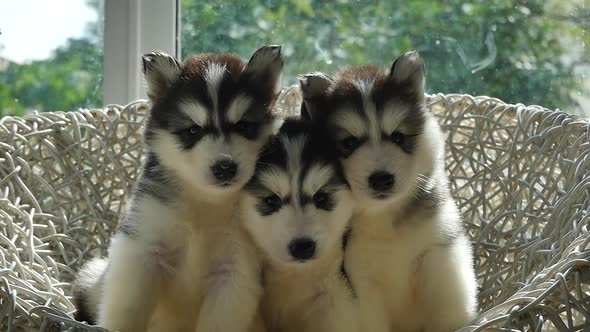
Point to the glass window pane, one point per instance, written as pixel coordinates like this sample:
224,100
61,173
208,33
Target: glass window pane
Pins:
532,52
50,55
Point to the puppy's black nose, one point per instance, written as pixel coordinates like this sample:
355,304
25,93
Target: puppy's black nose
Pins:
302,249
224,170
381,181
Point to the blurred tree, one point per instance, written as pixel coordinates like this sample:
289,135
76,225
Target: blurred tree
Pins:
70,78
510,49
516,50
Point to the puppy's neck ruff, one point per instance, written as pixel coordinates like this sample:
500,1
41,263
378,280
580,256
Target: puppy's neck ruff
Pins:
392,208
427,193
212,198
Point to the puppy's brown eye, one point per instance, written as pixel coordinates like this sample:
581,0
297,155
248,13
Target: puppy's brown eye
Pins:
273,202
188,137
322,200
397,138
350,143
247,129
195,130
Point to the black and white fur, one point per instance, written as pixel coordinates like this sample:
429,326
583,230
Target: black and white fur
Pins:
297,208
408,256
87,290
179,260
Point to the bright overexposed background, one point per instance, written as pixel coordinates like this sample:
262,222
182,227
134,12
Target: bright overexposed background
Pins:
32,29
51,55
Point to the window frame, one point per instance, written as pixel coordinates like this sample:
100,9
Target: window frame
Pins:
132,28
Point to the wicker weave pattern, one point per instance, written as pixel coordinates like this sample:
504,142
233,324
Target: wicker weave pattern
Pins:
521,176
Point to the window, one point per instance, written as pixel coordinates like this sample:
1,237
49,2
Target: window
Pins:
50,61
532,52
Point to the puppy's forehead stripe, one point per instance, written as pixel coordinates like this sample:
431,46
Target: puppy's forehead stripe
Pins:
238,107
214,76
365,86
294,148
372,120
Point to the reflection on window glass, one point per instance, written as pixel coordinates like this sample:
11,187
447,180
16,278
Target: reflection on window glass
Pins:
50,55
532,52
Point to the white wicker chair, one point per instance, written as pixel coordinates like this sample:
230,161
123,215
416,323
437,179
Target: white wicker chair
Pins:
521,176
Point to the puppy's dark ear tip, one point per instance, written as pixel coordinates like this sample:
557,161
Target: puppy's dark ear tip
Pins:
268,55
413,56
149,59
146,59
303,82
314,83
271,49
276,48
150,56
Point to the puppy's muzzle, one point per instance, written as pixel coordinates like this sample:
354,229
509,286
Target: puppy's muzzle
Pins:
302,249
381,182
224,171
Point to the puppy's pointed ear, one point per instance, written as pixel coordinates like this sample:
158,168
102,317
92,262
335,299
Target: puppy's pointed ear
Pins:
160,71
314,86
408,71
265,67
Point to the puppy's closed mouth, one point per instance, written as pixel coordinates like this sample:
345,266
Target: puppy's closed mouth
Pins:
303,261
381,196
226,184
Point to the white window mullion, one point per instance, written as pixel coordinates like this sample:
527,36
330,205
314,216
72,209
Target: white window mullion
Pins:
133,49
132,28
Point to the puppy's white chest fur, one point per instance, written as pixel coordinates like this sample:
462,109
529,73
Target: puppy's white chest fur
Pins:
384,261
412,275
309,299
206,249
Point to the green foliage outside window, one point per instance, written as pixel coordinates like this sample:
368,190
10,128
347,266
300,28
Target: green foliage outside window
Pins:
71,78
519,51
508,49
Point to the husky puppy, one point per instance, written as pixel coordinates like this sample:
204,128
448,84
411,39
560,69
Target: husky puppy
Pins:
408,256
87,290
297,208
179,261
